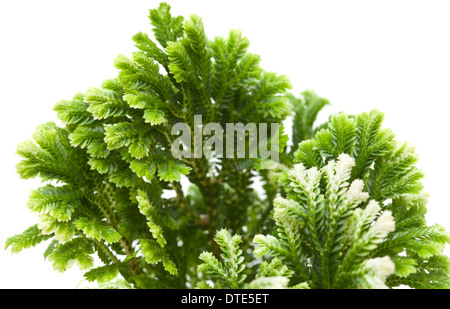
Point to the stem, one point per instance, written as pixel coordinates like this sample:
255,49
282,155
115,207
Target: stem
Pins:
101,245
182,202
209,189
105,200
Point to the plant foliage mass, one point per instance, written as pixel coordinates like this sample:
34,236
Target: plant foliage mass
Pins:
344,207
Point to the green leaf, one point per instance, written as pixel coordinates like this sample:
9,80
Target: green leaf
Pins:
405,266
426,241
105,103
144,43
230,271
90,138
77,250
172,170
307,153
180,63
395,174
103,166
274,269
371,142
198,42
140,147
306,110
58,202
123,177
29,238
107,273
114,85
102,274
338,138
268,246
50,156
143,99
64,231
143,168
154,253
211,265
166,28
121,134
148,210
154,116
95,229
75,111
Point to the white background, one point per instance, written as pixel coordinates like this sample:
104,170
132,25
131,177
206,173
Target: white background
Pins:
390,55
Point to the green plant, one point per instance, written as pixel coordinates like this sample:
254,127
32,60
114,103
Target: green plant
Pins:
353,215
114,187
390,177
327,209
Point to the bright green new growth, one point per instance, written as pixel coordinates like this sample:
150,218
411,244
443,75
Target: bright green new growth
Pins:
229,274
326,215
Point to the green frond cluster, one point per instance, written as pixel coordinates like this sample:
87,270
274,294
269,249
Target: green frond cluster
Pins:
306,109
338,227
29,238
109,170
391,178
230,273
324,213
323,235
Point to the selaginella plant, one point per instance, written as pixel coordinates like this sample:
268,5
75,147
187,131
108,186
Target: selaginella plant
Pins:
351,215
342,208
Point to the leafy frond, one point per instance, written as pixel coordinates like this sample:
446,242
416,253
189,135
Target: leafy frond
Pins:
77,250
49,156
229,271
96,230
105,103
172,171
306,110
75,111
323,234
107,273
166,28
91,138
29,238
387,169
154,253
153,219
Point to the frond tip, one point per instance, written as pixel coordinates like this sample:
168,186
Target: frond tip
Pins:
230,271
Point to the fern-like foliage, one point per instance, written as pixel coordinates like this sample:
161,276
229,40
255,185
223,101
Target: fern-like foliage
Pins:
390,177
352,215
306,109
325,217
112,184
230,272
323,235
